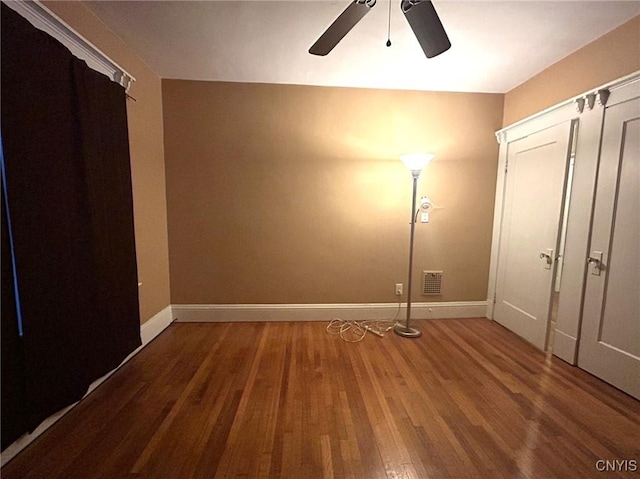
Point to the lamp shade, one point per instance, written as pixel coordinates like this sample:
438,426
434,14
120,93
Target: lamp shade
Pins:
416,161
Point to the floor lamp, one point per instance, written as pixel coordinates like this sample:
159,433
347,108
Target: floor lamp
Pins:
415,163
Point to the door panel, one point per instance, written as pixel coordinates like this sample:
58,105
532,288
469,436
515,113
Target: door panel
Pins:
610,337
533,198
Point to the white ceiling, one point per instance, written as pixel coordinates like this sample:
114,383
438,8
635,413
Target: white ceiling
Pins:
496,44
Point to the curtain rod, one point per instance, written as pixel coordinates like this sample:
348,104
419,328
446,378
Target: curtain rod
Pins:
44,19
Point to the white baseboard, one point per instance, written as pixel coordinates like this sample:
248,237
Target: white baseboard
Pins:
325,312
490,307
148,331
154,326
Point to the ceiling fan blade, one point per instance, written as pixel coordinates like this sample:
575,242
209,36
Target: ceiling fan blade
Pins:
341,26
426,26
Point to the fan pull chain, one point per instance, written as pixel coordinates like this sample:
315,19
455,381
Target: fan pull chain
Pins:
389,27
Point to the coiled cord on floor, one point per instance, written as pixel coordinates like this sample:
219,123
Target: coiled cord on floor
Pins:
353,331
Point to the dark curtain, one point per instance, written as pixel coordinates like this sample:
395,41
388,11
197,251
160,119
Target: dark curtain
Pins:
66,152
14,422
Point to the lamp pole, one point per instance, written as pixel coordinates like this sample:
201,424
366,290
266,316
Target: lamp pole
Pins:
406,330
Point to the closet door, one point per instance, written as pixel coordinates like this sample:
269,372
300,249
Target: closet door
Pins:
534,185
610,337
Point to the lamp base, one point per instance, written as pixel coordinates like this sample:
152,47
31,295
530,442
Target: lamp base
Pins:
402,330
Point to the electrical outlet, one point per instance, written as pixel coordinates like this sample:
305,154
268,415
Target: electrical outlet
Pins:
398,289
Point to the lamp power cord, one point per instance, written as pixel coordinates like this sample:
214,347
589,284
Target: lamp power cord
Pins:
353,331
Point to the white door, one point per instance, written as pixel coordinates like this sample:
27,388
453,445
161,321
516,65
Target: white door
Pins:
610,337
534,187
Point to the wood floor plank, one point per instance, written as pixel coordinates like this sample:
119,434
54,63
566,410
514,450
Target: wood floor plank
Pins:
468,399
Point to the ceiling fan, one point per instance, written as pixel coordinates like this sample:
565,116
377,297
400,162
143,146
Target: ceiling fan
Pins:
420,14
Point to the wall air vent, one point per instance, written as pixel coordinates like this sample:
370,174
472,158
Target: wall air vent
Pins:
431,283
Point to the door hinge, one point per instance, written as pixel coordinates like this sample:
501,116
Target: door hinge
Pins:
506,165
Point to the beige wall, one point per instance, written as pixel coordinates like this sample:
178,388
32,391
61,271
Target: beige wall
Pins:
294,194
608,58
147,156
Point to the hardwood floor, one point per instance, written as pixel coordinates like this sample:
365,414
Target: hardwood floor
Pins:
468,399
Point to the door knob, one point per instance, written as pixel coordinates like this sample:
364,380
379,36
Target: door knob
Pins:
595,263
548,257
545,255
